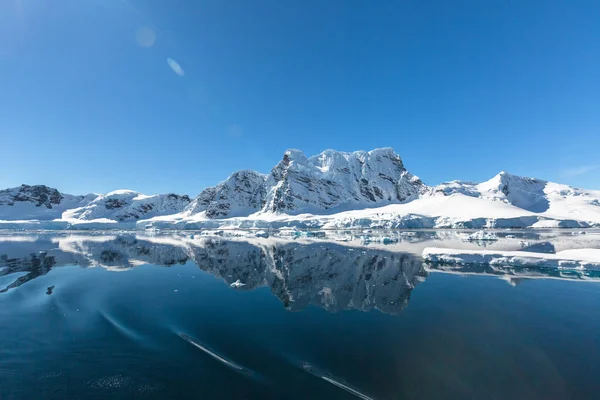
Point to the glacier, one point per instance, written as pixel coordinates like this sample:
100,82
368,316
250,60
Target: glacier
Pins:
332,190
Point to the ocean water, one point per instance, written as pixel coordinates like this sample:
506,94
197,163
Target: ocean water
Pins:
97,315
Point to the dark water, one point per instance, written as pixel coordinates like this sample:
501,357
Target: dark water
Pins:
127,317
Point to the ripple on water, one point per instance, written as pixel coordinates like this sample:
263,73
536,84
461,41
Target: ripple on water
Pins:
110,382
119,381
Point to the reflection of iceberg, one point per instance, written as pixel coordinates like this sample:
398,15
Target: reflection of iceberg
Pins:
514,275
516,266
578,259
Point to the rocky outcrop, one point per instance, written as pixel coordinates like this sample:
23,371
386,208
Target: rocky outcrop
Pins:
40,195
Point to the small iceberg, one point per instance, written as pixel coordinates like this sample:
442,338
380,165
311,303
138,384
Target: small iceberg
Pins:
237,284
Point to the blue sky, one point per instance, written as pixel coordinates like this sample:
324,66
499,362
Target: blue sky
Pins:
461,89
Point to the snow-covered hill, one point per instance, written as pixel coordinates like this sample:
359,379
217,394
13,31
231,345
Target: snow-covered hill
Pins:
332,190
42,203
127,205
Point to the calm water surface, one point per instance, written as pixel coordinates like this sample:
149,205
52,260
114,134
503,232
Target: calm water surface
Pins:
95,316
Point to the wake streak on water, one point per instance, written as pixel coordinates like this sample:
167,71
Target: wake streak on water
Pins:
212,354
310,369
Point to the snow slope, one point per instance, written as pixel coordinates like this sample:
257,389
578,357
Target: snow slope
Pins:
428,211
547,199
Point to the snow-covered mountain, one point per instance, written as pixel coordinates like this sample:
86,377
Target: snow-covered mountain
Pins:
536,196
331,181
332,190
37,202
336,180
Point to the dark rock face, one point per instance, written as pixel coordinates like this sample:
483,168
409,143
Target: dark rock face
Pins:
173,196
40,195
111,204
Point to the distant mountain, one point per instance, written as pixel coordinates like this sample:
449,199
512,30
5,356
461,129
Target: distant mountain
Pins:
333,190
526,193
44,203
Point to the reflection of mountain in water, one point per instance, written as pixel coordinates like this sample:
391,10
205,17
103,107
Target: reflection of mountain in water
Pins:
323,273
329,275
35,265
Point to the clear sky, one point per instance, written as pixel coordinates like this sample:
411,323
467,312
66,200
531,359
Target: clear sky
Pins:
173,96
